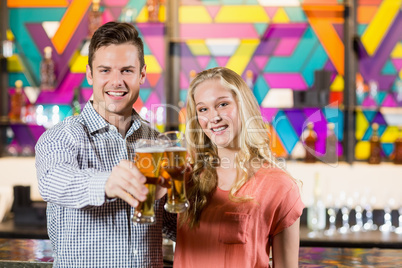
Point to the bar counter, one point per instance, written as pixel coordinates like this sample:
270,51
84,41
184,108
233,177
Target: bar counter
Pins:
38,253
25,253
8,229
372,239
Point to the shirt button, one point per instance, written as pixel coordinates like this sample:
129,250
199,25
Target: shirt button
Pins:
135,252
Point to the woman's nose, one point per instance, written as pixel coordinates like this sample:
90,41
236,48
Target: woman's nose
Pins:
216,118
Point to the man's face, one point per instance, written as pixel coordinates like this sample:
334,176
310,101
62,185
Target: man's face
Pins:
116,78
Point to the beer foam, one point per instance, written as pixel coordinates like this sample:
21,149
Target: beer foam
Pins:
150,150
175,149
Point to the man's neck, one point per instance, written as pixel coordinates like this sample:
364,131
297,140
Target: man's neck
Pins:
121,123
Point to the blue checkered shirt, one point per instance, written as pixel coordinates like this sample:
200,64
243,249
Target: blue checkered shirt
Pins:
73,160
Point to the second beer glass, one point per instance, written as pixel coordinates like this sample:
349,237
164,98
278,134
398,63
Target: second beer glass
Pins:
148,156
174,166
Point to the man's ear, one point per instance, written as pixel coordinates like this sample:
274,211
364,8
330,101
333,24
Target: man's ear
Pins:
89,75
143,74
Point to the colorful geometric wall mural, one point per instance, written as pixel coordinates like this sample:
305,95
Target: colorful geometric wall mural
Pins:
282,43
379,91
63,25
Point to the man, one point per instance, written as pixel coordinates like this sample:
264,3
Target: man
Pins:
84,168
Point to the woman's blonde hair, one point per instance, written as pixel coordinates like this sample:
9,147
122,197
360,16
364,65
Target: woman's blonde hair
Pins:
253,143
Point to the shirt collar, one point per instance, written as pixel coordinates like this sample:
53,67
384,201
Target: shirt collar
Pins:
95,122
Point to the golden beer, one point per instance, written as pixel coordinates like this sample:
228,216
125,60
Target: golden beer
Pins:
148,161
175,164
146,208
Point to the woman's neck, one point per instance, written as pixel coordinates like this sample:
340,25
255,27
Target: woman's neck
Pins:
227,172
227,157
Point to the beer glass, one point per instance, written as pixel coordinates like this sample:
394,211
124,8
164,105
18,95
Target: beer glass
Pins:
148,156
174,165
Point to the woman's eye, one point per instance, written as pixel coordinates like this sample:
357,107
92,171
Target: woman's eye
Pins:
223,104
201,110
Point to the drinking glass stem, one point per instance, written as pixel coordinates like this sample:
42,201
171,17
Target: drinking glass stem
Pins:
359,217
400,219
369,215
345,217
387,217
332,218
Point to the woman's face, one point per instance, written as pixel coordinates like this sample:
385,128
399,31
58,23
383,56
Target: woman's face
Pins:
217,113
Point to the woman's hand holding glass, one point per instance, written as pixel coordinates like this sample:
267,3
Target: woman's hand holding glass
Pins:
174,167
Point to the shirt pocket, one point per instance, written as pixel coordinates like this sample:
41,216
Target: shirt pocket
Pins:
233,228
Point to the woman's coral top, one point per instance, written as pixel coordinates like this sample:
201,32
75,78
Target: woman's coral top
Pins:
239,234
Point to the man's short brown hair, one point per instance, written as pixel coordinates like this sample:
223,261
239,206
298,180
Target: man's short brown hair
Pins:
116,33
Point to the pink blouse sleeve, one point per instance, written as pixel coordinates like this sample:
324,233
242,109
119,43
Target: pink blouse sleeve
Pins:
288,210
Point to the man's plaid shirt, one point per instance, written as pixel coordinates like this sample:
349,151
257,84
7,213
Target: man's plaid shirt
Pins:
73,160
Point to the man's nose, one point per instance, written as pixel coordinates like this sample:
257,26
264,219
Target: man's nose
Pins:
117,79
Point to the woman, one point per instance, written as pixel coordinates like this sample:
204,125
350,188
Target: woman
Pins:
242,205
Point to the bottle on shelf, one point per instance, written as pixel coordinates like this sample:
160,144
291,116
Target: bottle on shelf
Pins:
55,115
94,18
331,145
47,71
128,14
361,89
8,48
30,114
249,79
17,103
162,11
399,92
153,10
192,75
375,146
373,88
316,212
76,103
159,119
398,148
309,143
